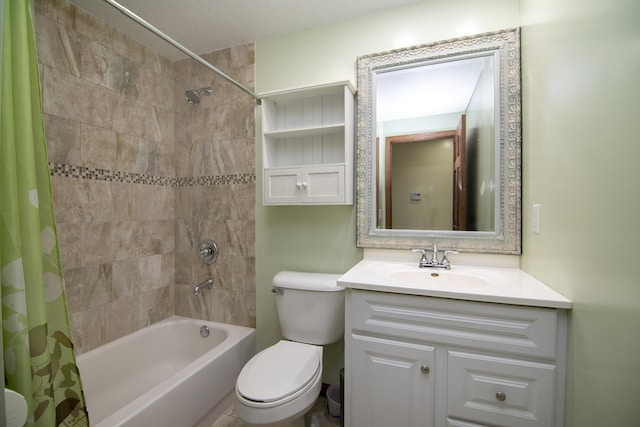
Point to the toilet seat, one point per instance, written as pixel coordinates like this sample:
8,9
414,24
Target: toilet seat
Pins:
279,374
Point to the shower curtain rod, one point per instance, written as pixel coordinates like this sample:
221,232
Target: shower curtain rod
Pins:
177,45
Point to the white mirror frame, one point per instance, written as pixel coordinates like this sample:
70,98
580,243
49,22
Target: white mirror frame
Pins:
506,239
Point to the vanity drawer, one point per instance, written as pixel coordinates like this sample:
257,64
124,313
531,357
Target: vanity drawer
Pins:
500,391
528,331
458,423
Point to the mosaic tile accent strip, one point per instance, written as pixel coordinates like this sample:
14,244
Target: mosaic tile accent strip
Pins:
82,172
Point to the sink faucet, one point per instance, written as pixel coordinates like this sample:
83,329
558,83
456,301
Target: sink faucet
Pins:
434,262
206,284
434,252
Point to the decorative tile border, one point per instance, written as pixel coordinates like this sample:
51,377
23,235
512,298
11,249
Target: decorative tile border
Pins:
82,172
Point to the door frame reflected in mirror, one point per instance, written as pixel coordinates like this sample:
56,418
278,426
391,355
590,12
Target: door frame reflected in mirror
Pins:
388,168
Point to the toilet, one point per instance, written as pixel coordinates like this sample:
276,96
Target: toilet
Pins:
279,385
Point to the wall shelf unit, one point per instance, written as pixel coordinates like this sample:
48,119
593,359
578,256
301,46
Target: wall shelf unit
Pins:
308,146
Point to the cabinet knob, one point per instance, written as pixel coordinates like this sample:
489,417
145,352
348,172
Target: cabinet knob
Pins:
501,396
425,369
304,185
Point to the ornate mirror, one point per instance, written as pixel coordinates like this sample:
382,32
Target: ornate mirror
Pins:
439,145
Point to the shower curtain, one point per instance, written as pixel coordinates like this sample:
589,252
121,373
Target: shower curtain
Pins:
39,362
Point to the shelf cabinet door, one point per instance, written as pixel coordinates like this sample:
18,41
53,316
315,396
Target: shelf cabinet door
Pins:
282,186
323,184
391,383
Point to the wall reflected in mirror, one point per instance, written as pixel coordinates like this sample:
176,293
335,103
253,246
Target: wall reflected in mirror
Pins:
435,129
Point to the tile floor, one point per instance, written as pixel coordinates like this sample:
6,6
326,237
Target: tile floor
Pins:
229,418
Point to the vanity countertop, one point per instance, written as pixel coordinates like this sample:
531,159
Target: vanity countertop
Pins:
485,284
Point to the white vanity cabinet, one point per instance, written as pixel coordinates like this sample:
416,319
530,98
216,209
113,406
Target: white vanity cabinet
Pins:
307,146
438,362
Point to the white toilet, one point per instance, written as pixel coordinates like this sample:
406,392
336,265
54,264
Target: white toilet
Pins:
279,385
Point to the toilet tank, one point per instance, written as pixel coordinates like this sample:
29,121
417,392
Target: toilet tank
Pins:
310,306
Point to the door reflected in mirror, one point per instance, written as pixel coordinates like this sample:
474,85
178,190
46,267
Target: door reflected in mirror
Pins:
437,124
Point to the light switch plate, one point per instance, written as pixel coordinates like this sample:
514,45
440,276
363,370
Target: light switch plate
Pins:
535,214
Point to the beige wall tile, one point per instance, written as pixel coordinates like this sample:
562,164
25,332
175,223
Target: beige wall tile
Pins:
104,67
134,276
156,237
122,317
77,201
156,305
127,156
99,147
57,47
73,98
168,271
88,287
88,329
69,244
63,140
122,200
152,202
126,237
97,242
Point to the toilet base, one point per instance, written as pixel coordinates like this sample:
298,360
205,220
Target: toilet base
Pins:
303,419
312,422
308,420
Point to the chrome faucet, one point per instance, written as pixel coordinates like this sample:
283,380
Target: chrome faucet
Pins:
434,257
206,284
434,262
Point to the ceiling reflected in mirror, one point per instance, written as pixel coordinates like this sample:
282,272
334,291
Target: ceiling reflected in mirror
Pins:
426,90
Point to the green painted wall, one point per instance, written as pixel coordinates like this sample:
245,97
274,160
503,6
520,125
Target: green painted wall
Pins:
581,103
581,92
323,238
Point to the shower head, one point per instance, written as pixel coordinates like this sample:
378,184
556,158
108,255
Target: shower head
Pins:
193,95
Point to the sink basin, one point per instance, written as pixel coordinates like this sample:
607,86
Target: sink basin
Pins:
438,278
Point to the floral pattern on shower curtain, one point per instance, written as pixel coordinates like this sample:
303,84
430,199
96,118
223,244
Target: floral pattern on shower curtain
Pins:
39,361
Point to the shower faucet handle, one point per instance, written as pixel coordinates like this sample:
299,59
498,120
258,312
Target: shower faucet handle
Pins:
208,251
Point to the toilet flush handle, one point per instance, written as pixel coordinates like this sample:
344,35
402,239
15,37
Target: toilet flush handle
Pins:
278,291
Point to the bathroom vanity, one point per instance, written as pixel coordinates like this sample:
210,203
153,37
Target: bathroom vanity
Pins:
431,347
466,347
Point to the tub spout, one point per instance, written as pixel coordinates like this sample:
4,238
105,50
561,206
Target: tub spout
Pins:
206,284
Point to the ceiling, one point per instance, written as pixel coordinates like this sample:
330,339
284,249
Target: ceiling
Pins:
209,25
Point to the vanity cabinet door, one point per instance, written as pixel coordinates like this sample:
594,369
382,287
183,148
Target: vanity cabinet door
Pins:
391,383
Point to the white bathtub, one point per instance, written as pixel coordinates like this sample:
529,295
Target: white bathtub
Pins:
165,375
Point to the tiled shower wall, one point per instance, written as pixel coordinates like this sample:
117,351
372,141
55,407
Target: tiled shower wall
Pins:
215,140
139,179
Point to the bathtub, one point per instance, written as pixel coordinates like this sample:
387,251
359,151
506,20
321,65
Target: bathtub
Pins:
165,375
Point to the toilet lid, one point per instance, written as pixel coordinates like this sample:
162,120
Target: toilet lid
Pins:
278,371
